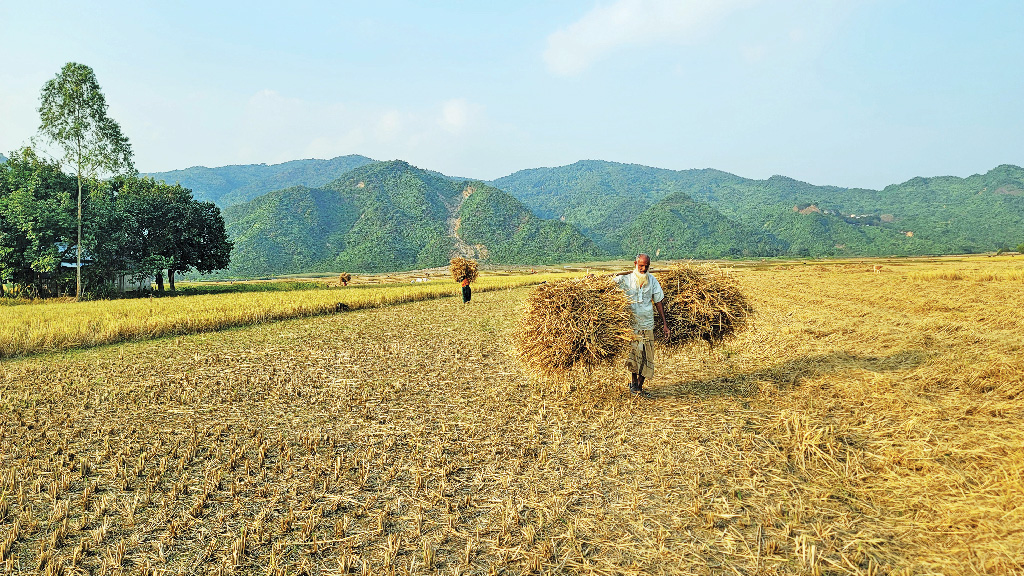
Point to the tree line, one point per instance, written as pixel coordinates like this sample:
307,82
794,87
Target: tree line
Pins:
132,229
55,227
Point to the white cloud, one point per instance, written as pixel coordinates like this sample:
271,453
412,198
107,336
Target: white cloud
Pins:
270,101
276,128
389,125
458,115
632,23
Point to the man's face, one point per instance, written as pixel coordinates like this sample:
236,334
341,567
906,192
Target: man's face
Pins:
642,264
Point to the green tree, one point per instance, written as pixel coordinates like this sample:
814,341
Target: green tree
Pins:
106,233
163,228
199,240
124,229
73,114
36,220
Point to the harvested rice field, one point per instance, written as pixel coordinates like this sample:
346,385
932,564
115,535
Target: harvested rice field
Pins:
868,421
34,326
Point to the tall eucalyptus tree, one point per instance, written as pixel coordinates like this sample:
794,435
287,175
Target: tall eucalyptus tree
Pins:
73,114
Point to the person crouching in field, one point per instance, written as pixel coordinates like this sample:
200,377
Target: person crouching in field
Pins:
467,292
644,293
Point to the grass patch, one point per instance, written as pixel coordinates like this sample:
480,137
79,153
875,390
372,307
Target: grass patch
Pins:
206,288
64,324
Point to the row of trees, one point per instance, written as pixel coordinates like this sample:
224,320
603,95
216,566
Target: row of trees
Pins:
54,225
131,228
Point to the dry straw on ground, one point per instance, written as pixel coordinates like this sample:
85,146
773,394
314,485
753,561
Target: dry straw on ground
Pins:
866,424
463,268
574,323
702,303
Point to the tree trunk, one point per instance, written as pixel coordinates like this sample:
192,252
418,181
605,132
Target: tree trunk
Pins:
170,278
160,281
78,269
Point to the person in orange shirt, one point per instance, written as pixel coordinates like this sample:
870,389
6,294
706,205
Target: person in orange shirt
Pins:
467,292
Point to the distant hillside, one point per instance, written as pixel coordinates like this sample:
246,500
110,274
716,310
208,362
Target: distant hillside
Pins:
382,216
601,198
389,216
921,216
3,158
680,227
629,208
229,185
287,230
503,230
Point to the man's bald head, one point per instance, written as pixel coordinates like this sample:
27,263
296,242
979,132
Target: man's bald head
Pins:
642,262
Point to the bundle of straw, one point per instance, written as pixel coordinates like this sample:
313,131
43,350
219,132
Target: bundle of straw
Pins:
702,303
344,278
462,268
574,323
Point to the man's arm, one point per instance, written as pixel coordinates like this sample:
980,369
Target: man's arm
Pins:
664,319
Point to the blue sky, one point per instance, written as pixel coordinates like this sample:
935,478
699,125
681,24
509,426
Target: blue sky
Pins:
857,93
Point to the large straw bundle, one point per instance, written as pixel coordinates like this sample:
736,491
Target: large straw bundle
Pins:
702,303
344,278
462,268
574,323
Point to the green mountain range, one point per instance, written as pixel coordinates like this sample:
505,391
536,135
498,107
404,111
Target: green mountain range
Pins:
388,216
355,214
627,207
229,185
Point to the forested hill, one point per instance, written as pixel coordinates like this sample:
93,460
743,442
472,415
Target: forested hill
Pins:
229,185
601,196
388,216
501,229
613,203
678,226
382,216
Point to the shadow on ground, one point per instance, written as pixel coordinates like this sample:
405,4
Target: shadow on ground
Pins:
789,374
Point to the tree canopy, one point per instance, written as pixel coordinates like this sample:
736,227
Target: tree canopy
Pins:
73,115
37,219
131,227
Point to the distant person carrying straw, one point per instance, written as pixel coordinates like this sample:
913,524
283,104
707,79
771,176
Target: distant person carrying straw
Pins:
464,272
644,293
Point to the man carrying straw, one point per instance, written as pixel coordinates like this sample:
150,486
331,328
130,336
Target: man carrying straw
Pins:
644,293
464,272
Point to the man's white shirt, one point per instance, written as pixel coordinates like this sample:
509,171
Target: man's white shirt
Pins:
641,298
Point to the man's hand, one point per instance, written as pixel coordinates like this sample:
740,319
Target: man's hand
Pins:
664,319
